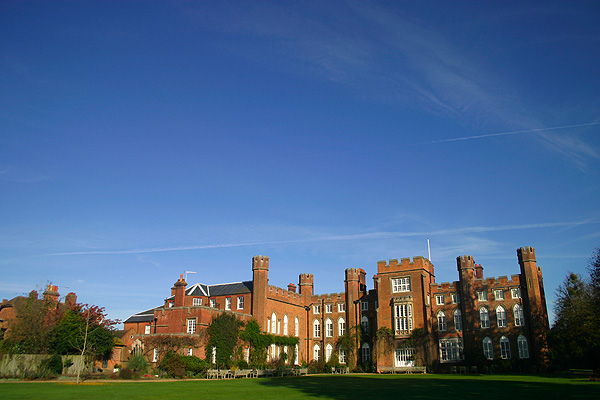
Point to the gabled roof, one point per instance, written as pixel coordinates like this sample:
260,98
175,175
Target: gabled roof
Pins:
144,316
221,289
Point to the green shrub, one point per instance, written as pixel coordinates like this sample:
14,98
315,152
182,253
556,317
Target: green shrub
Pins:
137,362
52,365
125,373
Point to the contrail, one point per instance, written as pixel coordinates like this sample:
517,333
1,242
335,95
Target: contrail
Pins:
511,133
358,236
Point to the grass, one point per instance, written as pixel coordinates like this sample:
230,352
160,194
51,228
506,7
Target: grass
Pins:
317,386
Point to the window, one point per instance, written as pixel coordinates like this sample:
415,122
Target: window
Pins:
405,357
274,323
499,294
316,352
316,309
523,348
240,302
484,317
488,348
501,317
295,355
482,295
341,327
455,298
364,306
403,318
328,352
171,304
147,329
296,327
441,317
515,293
451,350
213,357
342,356
197,301
401,285
316,328
439,299
328,328
457,320
191,325
518,314
155,355
213,303
329,308
285,325
364,323
504,348
228,303
366,352
190,352
341,307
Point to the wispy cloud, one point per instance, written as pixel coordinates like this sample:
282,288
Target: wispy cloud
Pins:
347,237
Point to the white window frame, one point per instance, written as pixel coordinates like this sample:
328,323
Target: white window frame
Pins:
147,329
401,284
191,326
316,328
316,309
197,301
404,357
228,303
440,299
403,318
328,352
488,348
451,350
364,306
341,356
504,348
499,294
455,298
441,319
328,328
484,318
341,307
482,295
341,327
296,327
213,303
519,315
501,318
240,302
285,325
515,293
155,355
274,323
457,317
364,323
316,352
328,308
365,352
523,347
190,351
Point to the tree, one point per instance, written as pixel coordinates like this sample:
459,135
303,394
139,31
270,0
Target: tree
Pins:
575,336
223,333
171,343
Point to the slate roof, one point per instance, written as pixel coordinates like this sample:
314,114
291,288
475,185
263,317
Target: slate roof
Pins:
221,289
144,316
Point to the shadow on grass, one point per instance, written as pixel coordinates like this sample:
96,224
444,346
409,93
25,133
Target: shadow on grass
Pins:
437,387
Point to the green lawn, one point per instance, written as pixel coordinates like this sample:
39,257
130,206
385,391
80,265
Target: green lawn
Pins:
320,386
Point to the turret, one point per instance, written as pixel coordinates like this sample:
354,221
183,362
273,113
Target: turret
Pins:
306,283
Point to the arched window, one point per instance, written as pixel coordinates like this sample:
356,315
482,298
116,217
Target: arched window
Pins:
342,356
518,314
296,355
488,348
504,348
274,323
316,328
296,327
366,352
523,347
328,328
484,317
341,327
285,325
316,352
457,320
501,317
328,352
364,323
441,317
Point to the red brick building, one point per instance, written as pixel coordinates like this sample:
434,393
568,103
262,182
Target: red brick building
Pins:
465,322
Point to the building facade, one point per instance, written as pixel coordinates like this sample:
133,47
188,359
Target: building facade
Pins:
467,322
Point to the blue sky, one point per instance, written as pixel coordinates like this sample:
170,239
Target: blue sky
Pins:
140,139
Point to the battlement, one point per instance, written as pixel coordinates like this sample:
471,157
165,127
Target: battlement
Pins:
444,286
260,262
526,254
328,297
465,262
405,264
277,293
355,274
